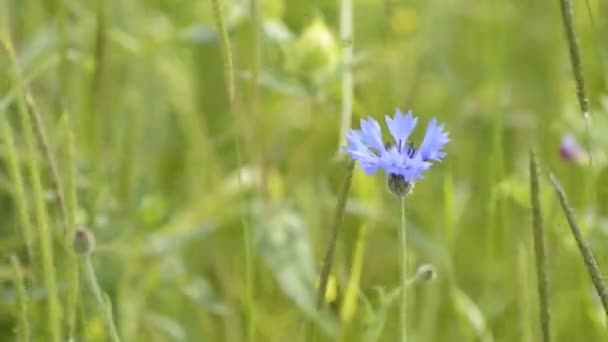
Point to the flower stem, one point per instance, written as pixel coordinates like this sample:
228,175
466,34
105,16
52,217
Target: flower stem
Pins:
540,252
23,324
333,240
346,35
231,89
103,302
586,253
403,312
577,68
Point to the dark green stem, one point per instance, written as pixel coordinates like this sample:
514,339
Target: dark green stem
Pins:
584,248
577,68
540,252
333,239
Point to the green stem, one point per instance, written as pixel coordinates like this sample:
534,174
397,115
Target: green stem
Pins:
23,324
403,312
103,302
577,68
333,240
19,190
42,219
346,35
43,141
586,253
231,89
72,208
540,252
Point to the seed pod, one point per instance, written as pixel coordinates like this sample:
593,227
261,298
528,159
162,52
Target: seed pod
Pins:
83,241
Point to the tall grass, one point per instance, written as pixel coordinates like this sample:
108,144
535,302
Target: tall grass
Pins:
201,150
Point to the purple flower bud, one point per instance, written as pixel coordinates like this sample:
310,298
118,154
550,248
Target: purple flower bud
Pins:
569,149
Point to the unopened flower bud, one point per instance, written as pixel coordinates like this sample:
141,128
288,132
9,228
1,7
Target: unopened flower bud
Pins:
314,55
426,272
398,185
83,241
570,150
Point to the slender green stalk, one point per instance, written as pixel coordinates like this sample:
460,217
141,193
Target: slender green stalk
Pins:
231,89
97,119
103,302
346,35
403,311
586,253
577,68
256,17
333,239
19,190
23,323
72,209
226,50
540,252
43,141
597,46
352,290
42,219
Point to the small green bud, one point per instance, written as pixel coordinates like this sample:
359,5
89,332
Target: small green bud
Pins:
83,241
398,185
315,54
426,272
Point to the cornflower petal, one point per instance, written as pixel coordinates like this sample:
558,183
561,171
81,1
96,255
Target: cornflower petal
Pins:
401,126
371,134
433,141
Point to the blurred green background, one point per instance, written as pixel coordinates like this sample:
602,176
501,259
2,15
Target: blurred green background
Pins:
140,86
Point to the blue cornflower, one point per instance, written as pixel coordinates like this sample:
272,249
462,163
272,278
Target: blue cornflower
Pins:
402,162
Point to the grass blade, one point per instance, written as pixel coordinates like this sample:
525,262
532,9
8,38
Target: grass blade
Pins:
23,324
577,68
333,239
540,252
584,248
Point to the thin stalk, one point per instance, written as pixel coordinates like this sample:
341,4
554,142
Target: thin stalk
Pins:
333,239
72,208
231,89
597,46
103,302
577,68
404,273
540,252
346,36
257,60
349,307
19,190
586,253
23,323
42,219
226,50
43,141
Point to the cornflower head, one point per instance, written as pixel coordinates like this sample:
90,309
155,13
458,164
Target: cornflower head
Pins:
402,162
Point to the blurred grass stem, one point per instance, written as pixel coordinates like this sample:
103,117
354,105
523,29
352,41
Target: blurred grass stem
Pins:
16,178
23,324
584,248
577,68
103,302
42,220
540,252
72,208
231,89
346,37
333,239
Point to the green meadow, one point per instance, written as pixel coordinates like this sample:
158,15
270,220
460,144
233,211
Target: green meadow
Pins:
172,170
